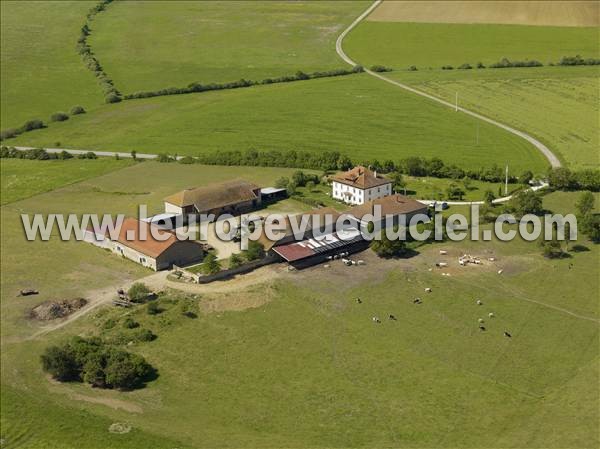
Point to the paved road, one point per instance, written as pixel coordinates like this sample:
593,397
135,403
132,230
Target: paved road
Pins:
97,153
548,154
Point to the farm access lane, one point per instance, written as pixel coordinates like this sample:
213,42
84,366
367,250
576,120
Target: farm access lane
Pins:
548,154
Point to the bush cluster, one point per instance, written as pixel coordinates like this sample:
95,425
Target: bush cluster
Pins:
198,87
578,60
111,94
506,63
93,361
59,117
565,179
380,68
29,125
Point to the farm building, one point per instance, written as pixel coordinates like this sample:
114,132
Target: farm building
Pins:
395,205
136,242
233,197
269,194
360,185
315,250
287,233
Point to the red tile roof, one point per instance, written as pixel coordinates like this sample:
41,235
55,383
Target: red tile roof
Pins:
130,236
361,177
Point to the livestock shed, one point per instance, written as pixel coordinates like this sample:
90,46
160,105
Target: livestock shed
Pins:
232,197
136,242
271,194
317,218
317,249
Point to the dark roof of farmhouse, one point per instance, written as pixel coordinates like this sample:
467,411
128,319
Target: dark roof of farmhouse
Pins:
215,196
390,205
361,177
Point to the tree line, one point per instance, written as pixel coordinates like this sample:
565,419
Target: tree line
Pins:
505,63
198,87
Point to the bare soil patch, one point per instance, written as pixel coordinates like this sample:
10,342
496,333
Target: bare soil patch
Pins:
51,310
542,13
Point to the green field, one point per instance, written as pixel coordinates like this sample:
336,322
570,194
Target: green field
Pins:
40,69
308,368
22,178
156,44
426,45
557,105
357,115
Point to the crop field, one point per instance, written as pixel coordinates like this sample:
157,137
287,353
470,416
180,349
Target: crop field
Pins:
558,105
247,372
356,115
40,69
155,44
433,45
556,13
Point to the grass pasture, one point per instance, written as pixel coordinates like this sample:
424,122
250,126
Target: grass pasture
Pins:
433,45
356,115
558,105
23,178
156,44
305,366
40,69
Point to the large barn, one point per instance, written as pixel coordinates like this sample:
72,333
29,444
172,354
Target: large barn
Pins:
233,197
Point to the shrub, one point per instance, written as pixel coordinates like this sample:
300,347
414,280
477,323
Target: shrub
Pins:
8,133
76,110
59,117
145,334
153,308
465,66
447,67
255,250
163,157
506,63
385,247
211,265
235,260
380,68
60,363
138,292
32,125
480,65
65,155
187,160
130,323
552,249
112,98
412,68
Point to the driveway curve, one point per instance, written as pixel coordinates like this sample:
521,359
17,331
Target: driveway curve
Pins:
548,154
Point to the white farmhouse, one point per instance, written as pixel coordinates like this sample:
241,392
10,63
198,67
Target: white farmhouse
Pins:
360,185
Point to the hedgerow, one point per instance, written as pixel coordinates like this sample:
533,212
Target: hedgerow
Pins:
198,87
111,94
